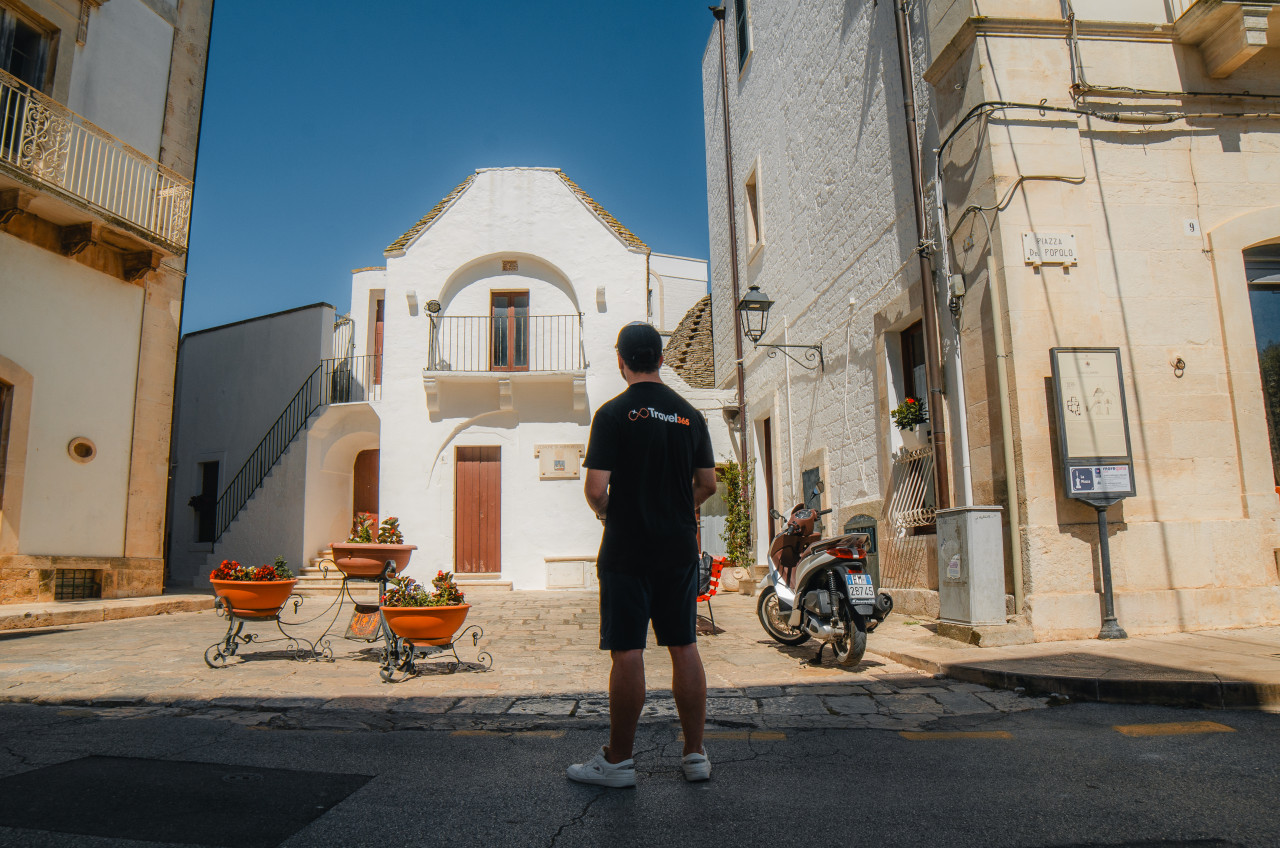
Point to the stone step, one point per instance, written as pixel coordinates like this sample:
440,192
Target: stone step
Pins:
482,581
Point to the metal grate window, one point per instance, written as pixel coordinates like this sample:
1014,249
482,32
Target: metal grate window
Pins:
76,583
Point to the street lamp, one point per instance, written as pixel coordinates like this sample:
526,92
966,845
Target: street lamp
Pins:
753,312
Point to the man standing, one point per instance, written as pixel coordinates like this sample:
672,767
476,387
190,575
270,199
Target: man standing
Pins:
649,466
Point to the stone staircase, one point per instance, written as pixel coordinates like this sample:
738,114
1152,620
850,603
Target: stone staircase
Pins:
491,582
314,582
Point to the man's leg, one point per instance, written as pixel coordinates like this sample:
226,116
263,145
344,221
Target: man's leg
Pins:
626,700
689,685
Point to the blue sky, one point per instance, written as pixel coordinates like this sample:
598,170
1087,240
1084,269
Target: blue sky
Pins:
330,127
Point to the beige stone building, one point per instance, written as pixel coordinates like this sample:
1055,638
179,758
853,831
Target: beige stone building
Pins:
100,104
1144,135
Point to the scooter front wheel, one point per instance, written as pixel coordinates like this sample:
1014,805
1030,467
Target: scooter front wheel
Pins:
774,620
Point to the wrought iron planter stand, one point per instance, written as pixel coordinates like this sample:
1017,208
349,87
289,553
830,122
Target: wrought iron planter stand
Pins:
400,655
366,623
217,654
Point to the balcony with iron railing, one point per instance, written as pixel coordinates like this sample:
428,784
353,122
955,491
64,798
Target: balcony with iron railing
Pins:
488,344
45,145
503,350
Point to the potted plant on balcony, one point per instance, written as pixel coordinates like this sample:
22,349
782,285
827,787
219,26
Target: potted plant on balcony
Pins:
910,417
362,556
253,592
422,616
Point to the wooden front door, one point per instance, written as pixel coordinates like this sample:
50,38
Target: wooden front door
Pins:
477,508
364,494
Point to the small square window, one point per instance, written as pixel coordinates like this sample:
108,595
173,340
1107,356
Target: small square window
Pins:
75,584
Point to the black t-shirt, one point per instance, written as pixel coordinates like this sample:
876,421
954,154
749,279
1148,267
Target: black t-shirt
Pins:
651,440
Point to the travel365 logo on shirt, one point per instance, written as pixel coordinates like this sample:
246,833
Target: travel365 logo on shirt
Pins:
650,412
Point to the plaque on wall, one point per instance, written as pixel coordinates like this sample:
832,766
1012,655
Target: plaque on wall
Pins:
559,462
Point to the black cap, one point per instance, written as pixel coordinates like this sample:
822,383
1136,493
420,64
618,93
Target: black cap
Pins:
640,346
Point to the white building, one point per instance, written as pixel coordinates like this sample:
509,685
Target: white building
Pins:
476,356
101,108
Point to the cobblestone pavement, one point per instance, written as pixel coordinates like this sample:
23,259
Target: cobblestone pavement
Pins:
547,672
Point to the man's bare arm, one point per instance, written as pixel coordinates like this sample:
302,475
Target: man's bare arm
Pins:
704,485
597,491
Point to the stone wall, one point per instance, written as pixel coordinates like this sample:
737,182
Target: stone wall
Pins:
1195,547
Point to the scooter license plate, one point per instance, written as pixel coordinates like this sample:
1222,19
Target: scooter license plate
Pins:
860,588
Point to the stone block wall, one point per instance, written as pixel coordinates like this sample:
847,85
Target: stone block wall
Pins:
1195,547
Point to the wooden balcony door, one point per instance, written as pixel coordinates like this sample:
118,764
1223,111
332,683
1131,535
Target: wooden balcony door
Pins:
509,331
379,332
477,507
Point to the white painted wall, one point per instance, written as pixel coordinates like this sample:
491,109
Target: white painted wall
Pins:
564,253
120,77
76,331
676,283
816,115
232,384
337,434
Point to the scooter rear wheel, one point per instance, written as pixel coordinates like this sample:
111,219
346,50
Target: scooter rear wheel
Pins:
850,649
774,620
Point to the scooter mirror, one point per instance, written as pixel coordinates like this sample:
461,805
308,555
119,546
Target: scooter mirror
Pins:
820,488
775,515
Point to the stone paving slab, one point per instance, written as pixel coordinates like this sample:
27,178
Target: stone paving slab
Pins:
1221,669
545,672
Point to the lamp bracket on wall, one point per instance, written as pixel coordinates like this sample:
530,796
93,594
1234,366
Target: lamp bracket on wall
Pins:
812,354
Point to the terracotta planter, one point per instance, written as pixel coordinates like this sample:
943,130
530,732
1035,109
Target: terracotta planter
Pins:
367,559
426,625
254,598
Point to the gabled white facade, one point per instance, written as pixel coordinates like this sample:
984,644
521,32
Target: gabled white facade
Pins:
433,387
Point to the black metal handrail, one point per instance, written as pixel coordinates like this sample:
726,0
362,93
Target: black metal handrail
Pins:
346,380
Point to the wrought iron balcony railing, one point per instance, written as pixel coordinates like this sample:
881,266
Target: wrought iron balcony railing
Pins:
43,139
482,343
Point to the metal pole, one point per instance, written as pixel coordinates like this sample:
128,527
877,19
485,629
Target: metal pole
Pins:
719,12
1110,627
937,416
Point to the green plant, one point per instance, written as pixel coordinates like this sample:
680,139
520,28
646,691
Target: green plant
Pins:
232,570
910,413
362,528
407,592
737,525
389,533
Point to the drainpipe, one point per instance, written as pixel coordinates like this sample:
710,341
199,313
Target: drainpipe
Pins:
1006,419
718,12
933,358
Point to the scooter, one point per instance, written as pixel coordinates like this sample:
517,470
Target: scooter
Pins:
820,589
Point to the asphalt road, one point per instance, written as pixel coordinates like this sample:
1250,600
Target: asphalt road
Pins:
1047,778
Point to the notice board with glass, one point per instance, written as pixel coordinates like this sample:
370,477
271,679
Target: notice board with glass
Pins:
1093,424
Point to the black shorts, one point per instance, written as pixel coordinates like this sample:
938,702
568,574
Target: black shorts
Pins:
629,602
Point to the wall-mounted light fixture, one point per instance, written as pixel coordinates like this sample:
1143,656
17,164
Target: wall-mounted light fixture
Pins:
753,312
433,306
600,300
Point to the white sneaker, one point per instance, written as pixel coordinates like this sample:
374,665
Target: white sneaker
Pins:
696,767
600,772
